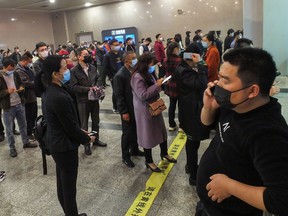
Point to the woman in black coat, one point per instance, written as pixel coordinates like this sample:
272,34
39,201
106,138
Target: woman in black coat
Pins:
191,79
63,132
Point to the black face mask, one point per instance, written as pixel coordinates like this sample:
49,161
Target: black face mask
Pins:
222,97
88,59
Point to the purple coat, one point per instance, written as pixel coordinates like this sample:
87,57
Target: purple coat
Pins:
151,131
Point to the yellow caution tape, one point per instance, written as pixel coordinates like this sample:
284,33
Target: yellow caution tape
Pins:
144,200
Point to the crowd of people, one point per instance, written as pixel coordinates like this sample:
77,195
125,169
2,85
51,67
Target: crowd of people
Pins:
229,93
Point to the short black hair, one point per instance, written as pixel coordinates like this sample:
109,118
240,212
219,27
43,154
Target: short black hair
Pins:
26,56
230,31
243,42
79,51
148,39
40,44
157,35
255,66
113,41
126,54
8,61
198,31
51,64
127,39
170,49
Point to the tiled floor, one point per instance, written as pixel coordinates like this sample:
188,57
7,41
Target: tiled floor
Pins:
105,185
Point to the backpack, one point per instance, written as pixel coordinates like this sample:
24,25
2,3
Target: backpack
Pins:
39,132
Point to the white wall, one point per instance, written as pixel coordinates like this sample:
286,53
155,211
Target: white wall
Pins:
29,29
276,32
160,19
253,21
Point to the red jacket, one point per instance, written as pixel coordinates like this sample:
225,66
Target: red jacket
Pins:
159,51
212,59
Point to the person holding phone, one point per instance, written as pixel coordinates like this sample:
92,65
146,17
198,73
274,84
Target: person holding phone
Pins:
64,134
191,80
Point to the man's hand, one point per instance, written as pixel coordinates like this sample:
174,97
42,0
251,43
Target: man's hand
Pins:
92,139
208,98
196,57
218,187
159,81
11,90
126,117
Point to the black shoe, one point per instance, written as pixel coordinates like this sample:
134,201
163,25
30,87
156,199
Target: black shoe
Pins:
2,137
128,162
187,169
138,153
30,145
87,149
99,143
157,169
172,160
82,214
13,153
15,132
192,181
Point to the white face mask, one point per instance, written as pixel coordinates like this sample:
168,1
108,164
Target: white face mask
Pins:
161,39
43,54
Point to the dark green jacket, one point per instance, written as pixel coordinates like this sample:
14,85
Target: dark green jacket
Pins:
4,95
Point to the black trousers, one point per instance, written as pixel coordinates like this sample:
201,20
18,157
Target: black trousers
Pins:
148,152
102,74
200,210
129,137
66,174
171,111
85,109
114,101
192,156
31,114
1,124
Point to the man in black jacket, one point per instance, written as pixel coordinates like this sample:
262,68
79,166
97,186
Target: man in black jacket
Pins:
244,171
123,93
112,63
84,77
27,76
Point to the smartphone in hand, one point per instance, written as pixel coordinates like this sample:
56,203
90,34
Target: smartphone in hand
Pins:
166,79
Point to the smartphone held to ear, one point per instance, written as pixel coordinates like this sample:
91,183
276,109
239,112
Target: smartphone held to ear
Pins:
212,89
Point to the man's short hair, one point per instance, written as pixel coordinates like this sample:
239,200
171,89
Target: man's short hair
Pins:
79,51
126,54
243,42
157,35
230,31
113,41
7,61
255,66
148,39
26,56
40,44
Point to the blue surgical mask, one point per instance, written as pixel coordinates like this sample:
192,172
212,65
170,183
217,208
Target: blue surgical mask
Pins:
204,44
151,69
134,62
9,73
67,76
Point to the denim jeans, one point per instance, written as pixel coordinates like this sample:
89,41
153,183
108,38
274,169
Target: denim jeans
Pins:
9,115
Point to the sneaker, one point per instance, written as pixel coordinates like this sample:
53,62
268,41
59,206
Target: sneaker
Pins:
13,153
2,137
30,145
172,128
115,111
2,175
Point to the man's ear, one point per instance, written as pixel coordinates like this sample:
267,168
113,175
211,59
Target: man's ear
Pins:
254,91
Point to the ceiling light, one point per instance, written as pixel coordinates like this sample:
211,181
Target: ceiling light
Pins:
88,4
13,19
149,3
207,3
161,5
147,12
52,1
236,2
